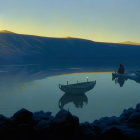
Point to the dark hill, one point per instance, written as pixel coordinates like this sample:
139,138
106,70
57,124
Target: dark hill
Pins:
131,43
21,49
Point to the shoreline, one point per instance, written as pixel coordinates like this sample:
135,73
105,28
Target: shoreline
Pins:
42,125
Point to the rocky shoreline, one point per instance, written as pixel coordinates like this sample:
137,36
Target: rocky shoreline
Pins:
25,125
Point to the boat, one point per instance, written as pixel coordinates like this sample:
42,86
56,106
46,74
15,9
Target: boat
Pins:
77,88
130,74
120,75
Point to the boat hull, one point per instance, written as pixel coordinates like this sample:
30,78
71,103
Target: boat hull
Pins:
118,75
78,88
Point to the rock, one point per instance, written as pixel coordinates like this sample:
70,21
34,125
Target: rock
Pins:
5,125
113,133
38,116
4,121
65,125
138,107
134,118
43,125
88,131
43,120
126,113
64,116
23,116
104,122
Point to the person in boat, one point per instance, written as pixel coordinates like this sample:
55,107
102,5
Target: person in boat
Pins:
121,69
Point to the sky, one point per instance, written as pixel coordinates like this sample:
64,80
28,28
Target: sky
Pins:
97,20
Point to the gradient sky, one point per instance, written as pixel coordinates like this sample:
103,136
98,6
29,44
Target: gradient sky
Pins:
98,20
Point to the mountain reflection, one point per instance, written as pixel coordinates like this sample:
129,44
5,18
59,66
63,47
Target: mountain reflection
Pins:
77,99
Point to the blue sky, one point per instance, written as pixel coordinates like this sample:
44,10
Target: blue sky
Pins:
98,20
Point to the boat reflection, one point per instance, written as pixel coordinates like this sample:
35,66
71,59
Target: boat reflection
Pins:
77,99
75,93
119,79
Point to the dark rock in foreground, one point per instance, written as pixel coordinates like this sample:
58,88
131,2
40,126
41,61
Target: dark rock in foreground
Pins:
25,125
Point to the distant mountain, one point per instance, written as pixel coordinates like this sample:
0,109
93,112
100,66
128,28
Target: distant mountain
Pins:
5,31
131,43
28,49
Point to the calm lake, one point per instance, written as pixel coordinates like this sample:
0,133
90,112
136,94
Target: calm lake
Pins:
35,91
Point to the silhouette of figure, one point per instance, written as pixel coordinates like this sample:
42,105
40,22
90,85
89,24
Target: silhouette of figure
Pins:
121,69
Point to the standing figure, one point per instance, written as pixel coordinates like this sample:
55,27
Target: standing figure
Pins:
121,69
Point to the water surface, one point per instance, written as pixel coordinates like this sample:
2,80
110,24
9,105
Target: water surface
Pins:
37,91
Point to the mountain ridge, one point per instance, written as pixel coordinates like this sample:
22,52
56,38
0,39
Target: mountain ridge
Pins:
6,31
130,42
69,37
30,49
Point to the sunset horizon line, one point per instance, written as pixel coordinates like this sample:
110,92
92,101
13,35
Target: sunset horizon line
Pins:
121,42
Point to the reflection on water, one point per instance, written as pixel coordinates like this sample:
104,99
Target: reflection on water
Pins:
119,80
78,100
36,88
75,93
136,78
